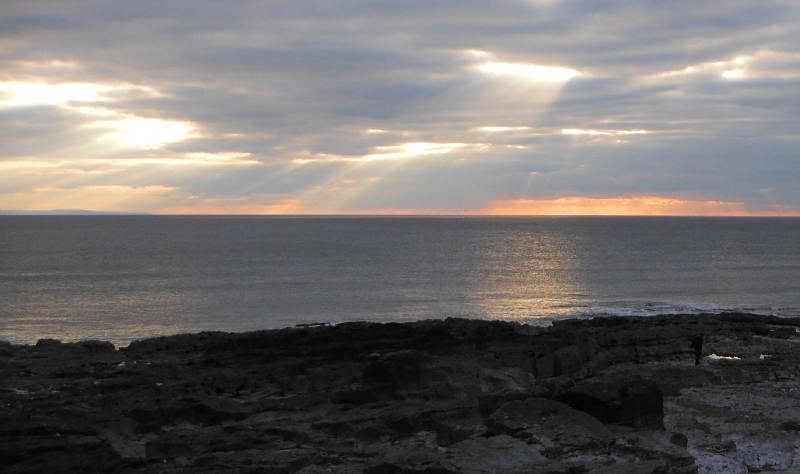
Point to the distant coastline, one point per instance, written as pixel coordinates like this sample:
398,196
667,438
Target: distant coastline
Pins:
69,212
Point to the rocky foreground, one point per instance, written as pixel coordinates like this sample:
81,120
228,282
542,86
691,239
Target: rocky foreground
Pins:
607,395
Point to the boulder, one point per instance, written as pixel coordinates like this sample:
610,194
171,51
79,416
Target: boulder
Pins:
202,410
544,366
628,400
457,425
399,368
783,333
551,422
48,344
657,445
567,360
643,467
56,454
93,345
497,454
6,349
503,385
165,447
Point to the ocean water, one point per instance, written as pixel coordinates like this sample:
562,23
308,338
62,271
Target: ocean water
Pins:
121,278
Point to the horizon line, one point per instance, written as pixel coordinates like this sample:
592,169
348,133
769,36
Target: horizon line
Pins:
87,212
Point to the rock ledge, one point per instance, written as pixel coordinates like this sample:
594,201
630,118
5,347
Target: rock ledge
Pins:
604,395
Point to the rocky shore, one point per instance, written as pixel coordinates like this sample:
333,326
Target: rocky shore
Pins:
603,395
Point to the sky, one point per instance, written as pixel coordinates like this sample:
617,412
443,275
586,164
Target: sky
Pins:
497,107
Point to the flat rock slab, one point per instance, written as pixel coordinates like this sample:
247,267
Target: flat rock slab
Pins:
739,428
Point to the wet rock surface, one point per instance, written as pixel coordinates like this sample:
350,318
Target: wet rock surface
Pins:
604,395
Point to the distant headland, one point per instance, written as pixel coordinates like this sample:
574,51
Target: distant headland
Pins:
68,212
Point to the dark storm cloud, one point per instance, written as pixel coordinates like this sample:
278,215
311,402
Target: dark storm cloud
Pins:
35,23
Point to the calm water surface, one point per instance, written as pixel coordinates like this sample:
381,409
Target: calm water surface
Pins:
121,278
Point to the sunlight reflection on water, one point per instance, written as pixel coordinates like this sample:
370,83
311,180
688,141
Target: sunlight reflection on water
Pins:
528,274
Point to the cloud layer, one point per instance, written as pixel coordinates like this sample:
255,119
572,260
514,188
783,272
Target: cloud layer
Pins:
520,106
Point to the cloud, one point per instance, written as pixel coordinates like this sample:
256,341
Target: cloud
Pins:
140,132
533,72
396,152
354,106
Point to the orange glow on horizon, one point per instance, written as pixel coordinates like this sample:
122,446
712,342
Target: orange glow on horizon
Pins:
568,206
627,206
120,198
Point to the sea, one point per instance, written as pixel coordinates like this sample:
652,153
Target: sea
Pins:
121,278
